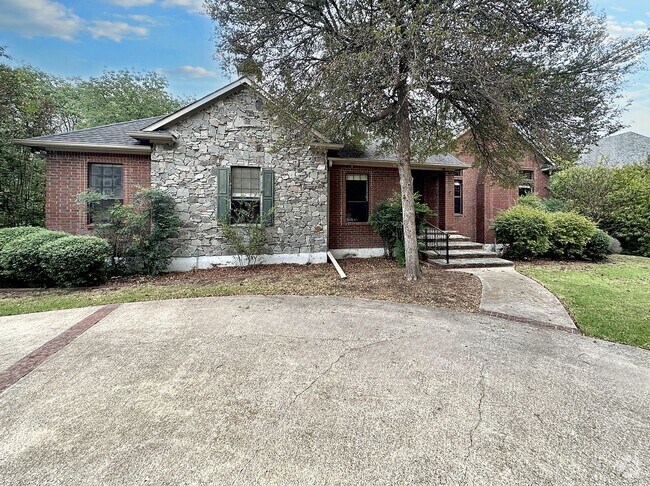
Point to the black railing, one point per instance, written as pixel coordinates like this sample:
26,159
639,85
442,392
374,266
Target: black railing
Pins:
434,239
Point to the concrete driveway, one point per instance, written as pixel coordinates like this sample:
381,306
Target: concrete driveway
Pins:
297,390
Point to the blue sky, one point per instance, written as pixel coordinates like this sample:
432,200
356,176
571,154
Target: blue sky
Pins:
174,37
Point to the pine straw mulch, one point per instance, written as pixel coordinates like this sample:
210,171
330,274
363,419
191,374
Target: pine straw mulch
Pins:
375,278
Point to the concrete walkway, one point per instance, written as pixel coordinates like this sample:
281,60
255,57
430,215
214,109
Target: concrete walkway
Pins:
318,390
507,292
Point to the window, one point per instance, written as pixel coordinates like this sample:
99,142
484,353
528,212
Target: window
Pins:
458,173
526,187
458,197
356,198
245,195
106,180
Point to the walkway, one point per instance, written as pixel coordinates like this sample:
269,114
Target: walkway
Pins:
511,295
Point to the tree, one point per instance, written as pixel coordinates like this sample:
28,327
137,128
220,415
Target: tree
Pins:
27,109
515,74
115,96
585,190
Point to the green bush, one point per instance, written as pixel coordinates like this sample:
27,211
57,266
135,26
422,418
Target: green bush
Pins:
553,205
10,234
75,261
386,220
20,259
570,233
597,247
523,230
532,201
138,234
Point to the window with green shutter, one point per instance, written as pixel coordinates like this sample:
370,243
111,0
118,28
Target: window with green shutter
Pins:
245,194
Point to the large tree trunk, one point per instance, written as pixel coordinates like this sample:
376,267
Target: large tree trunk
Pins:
413,271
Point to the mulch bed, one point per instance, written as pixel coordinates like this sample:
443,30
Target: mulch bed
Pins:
375,278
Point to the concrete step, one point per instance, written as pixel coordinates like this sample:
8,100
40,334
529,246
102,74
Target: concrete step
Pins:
465,245
452,237
461,253
471,262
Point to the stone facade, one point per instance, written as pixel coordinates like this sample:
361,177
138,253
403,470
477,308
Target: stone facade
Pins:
237,131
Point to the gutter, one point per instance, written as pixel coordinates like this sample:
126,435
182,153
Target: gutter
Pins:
393,163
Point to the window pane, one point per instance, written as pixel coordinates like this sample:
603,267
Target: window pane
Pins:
245,181
356,212
243,211
458,197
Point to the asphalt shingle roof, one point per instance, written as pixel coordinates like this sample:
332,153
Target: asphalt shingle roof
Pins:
373,153
113,134
616,150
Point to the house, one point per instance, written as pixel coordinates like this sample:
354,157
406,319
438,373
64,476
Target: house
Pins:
616,150
223,151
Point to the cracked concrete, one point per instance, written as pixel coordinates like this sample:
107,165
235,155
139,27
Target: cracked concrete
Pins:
318,390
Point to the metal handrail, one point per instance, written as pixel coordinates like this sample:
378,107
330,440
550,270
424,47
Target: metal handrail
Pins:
435,239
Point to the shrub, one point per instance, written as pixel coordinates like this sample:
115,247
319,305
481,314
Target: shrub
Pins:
139,234
9,234
75,261
20,259
246,235
597,247
553,205
523,230
532,201
570,233
386,220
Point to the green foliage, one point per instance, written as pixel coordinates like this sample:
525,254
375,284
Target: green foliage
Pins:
76,261
570,233
553,205
138,234
597,247
524,230
386,220
245,235
21,259
531,201
117,96
9,234
617,198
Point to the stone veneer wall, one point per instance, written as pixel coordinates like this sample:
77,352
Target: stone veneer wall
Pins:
236,131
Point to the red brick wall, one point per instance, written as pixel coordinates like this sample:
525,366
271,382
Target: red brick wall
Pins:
484,199
67,175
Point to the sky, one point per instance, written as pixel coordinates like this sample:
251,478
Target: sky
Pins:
176,38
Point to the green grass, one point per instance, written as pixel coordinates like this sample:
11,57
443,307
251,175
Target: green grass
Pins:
607,300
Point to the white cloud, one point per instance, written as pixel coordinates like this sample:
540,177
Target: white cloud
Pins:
43,18
143,19
195,72
618,28
193,6
116,30
131,3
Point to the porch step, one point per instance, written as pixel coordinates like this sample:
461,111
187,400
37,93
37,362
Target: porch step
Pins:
471,253
465,245
452,237
471,262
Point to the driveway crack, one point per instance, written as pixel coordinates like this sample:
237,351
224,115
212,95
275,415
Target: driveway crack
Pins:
479,420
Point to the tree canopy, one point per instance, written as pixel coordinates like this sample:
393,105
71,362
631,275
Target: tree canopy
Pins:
514,74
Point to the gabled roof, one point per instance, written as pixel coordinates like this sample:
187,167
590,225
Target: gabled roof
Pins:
106,138
227,90
616,150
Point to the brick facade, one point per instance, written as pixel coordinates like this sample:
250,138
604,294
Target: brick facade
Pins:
484,199
66,175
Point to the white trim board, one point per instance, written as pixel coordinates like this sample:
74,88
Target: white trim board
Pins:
343,253
185,264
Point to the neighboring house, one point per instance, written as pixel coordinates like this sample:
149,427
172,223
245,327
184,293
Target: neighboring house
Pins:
222,152
617,150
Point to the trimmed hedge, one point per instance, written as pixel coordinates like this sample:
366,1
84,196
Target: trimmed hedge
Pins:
10,234
570,233
75,261
524,230
598,246
20,259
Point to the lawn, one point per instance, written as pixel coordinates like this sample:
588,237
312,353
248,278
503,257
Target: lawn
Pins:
607,300
371,279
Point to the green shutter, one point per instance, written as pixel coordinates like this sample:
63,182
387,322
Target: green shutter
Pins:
268,190
223,193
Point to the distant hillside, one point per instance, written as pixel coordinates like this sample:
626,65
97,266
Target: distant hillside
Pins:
622,149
